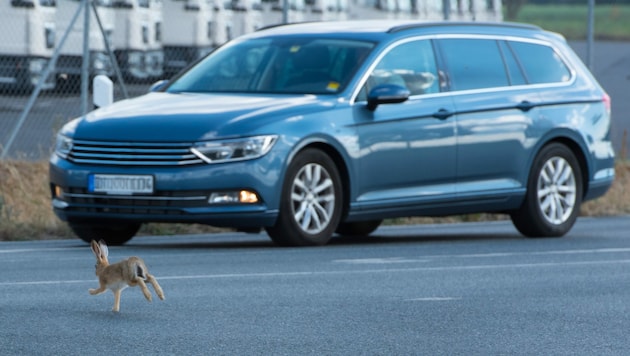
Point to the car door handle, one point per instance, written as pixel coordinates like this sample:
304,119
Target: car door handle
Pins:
442,114
525,105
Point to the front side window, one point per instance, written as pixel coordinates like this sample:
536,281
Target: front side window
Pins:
282,65
410,65
473,63
540,63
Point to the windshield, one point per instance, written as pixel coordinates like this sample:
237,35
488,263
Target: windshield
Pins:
277,65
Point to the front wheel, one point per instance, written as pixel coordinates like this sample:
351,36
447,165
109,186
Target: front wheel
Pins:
554,194
311,201
113,234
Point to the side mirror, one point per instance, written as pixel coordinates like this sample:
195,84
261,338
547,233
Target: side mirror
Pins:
103,89
386,94
159,85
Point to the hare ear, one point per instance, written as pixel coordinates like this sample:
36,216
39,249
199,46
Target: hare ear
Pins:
95,248
104,249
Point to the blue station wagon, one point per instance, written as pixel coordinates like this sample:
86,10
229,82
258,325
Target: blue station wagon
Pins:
307,130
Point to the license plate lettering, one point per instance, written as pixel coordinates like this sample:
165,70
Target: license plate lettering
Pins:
120,184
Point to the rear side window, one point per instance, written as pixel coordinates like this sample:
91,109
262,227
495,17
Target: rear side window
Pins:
540,63
473,63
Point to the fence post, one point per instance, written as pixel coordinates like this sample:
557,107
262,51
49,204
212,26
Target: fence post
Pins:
85,66
590,34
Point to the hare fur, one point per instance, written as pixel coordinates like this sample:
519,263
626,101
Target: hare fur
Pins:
120,275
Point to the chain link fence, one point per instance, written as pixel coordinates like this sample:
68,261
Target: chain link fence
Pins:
51,49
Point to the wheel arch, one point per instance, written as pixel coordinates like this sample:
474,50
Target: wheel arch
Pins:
335,153
578,151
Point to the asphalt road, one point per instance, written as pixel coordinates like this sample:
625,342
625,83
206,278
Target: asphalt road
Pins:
463,289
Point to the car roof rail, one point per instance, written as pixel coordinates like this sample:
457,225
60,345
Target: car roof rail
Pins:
410,26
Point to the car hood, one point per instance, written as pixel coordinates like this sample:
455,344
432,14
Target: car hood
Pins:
166,117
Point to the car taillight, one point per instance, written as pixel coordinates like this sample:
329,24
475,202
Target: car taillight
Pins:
606,100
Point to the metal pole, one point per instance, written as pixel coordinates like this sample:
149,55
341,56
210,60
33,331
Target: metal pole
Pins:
285,11
40,84
110,52
85,67
446,9
590,34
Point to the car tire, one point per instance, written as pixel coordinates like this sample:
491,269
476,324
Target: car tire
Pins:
114,234
358,228
311,201
554,194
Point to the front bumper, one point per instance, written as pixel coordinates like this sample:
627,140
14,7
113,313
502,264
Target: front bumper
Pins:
180,196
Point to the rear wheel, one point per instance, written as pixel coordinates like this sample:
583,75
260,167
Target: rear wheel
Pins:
113,234
311,201
554,194
358,228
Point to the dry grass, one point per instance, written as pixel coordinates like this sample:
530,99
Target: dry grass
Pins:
26,213
617,199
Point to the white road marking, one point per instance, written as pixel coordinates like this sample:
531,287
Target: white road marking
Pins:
387,260
534,253
432,299
346,272
22,250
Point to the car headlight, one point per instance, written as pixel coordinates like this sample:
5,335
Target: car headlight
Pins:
235,149
63,146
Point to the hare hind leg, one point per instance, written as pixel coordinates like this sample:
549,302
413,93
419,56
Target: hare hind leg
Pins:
155,285
145,290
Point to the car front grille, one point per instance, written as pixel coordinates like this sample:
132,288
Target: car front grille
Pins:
160,203
132,154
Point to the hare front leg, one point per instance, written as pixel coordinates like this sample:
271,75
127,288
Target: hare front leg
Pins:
155,285
116,307
101,288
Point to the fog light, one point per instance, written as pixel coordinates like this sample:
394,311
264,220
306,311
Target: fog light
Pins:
243,196
58,191
246,196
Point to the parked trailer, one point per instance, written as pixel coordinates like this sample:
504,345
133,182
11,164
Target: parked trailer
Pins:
273,12
27,43
186,32
247,16
221,29
327,10
137,38
69,64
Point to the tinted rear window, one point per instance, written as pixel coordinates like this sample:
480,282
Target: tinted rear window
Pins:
540,63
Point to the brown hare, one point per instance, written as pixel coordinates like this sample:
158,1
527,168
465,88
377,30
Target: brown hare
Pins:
120,275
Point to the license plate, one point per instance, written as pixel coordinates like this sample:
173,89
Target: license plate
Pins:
120,184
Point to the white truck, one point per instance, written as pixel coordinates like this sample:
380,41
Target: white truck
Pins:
327,10
137,39
186,32
26,43
273,12
222,29
247,16
70,61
